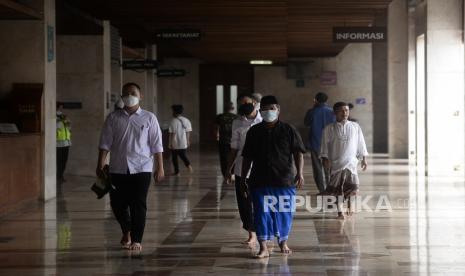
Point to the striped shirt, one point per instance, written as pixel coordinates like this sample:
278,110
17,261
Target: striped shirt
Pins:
132,140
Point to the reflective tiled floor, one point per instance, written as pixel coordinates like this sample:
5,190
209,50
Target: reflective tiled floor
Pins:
193,228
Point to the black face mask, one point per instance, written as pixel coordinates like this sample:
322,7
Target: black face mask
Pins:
246,109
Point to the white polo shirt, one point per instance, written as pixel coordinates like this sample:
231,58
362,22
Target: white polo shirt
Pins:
179,126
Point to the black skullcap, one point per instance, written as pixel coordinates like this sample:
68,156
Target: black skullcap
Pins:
267,100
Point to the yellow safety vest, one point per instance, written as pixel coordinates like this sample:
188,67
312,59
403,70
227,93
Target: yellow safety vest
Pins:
63,133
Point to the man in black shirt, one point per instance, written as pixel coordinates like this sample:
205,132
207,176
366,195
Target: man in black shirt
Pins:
273,148
224,123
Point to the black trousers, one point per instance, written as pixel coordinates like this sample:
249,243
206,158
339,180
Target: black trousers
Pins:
182,154
62,159
224,150
129,202
245,207
320,175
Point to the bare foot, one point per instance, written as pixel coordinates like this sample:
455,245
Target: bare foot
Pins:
191,170
284,248
270,245
250,242
340,215
263,253
350,207
175,174
126,240
135,246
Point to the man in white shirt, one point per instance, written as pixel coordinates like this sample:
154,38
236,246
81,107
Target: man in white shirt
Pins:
249,116
180,131
133,137
342,147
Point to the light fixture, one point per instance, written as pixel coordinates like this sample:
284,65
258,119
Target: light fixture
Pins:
261,62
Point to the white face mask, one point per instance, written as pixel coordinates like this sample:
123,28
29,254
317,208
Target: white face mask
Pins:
269,115
130,101
59,113
120,103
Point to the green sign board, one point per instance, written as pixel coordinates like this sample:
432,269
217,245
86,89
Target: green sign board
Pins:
140,64
171,73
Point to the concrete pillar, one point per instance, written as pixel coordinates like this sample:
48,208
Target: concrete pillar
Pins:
155,82
412,144
151,93
49,190
84,75
106,69
417,87
49,103
380,95
116,69
445,88
398,79
24,50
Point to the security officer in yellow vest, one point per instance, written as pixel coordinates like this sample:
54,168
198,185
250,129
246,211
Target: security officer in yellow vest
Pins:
63,142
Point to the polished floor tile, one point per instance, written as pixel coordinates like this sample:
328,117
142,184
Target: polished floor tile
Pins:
193,228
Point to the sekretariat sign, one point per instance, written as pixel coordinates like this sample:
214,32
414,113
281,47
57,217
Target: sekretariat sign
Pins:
178,34
359,34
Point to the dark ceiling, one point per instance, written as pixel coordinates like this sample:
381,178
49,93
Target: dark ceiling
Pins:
238,30
14,10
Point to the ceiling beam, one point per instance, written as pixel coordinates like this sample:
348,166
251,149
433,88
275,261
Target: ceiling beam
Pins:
22,9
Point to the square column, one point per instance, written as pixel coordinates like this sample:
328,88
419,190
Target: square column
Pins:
398,79
445,119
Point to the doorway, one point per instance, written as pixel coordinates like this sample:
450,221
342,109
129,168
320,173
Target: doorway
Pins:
218,85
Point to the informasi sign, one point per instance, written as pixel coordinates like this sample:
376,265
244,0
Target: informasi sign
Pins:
359,34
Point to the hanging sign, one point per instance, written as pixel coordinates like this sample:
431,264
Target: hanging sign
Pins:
171,73
178,34
359,34
141,64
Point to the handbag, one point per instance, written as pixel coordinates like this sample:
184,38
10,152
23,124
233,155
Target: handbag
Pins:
102,185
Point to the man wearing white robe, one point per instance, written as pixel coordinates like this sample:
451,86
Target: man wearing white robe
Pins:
342,147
